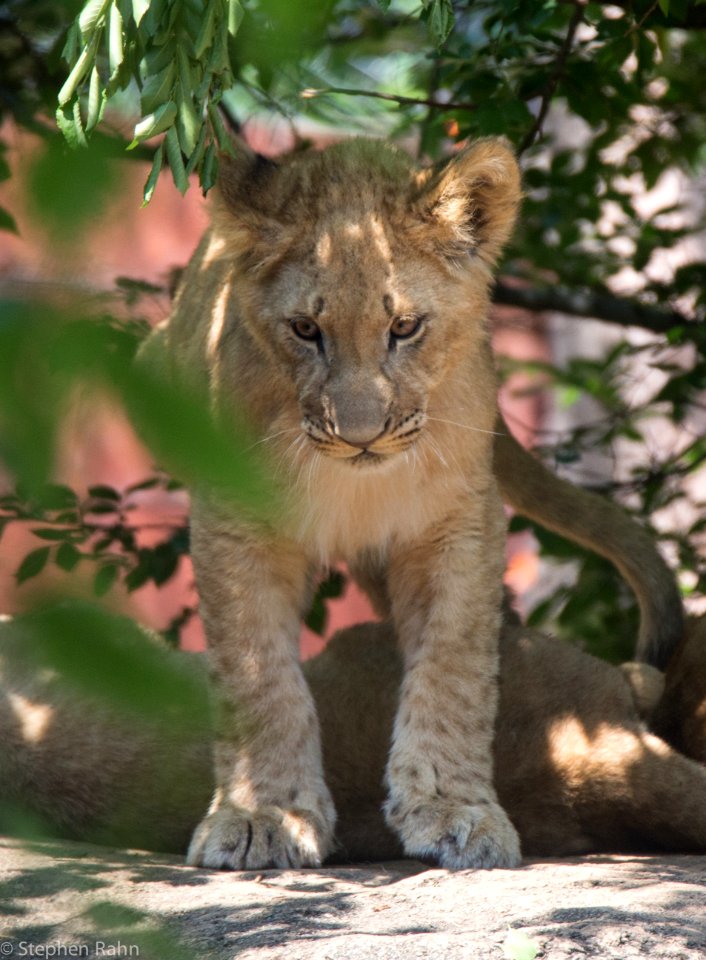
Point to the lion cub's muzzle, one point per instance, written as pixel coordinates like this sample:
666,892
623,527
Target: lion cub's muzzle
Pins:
364,443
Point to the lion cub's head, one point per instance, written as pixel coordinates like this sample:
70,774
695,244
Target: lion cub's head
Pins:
364,279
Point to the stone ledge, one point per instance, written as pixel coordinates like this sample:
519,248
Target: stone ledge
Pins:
102,902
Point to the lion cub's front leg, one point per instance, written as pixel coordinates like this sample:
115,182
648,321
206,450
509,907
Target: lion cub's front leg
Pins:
446,598
271,807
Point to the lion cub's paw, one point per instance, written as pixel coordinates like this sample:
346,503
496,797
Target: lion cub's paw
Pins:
457,835
233,838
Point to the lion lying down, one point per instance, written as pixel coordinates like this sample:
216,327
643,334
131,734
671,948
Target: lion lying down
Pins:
575,765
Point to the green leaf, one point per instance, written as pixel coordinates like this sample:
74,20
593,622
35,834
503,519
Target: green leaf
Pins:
48,533
57,496
66,123
219,59
188,71
162,15
72,45
235,16
198,152
158,88
163,563
7,221
5,171
116,50
205,35
139,9
92,16
102,492
78,124
33,564
330,588
317,616
152,179
149,484
139,575
333,586
157,122
105,578
95,101
78,72
189,126
209,171
67,556
440,20
176,161
156,59
222,136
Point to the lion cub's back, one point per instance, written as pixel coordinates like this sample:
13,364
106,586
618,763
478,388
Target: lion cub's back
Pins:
74,764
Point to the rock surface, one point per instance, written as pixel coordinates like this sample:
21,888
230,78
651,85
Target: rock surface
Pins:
73,899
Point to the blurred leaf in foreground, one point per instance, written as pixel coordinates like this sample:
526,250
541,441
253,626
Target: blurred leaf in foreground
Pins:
45,353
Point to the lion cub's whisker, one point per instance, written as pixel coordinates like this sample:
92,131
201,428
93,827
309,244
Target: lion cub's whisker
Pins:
465,426
272,436
435,448
297,444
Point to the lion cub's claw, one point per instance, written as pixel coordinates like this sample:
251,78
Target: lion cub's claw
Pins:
457,835
233,838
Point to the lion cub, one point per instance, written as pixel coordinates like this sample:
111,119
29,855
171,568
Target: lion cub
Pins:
339,303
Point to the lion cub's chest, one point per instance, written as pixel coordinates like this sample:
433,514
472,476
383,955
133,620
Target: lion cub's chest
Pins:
338,510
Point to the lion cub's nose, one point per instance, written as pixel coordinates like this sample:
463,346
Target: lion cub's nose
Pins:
359,432
359,409
361,437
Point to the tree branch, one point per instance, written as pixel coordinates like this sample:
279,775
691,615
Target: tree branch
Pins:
556,75
592,303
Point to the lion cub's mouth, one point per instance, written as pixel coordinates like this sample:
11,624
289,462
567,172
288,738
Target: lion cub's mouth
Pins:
368,457
382,449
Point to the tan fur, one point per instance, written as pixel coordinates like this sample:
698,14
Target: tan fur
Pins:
647,686
575,767
384,452
680,715
602,526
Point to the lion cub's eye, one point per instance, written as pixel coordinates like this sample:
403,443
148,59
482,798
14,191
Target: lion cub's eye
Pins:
305,329
402,328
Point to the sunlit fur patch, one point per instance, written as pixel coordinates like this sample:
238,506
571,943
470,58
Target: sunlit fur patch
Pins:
33,718
397,439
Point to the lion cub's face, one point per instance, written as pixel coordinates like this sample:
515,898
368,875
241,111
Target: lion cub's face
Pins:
365,280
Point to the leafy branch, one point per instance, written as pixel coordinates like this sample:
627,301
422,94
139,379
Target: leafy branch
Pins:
178,56
97,529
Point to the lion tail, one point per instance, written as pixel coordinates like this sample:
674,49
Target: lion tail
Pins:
600,525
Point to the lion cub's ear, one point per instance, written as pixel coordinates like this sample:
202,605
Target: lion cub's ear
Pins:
249,208
471,202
